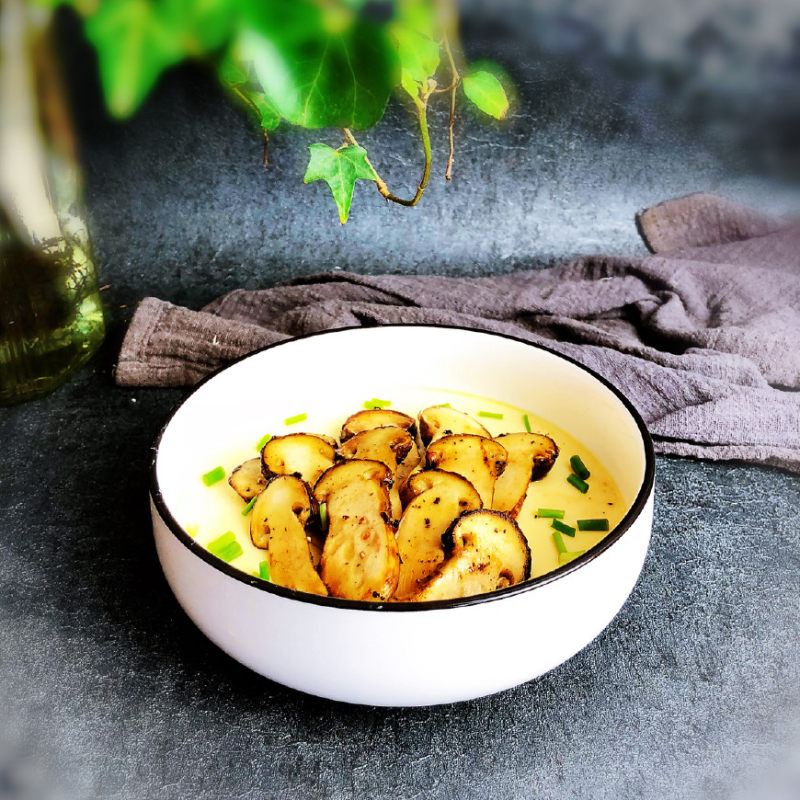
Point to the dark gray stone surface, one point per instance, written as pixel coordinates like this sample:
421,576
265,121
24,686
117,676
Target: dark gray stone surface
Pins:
107,690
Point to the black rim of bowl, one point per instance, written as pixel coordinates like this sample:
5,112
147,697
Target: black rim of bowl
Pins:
368,605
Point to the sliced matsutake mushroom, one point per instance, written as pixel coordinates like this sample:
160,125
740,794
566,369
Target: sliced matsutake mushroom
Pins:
438,421
359,559
439,497
388,445
530,457
377,418
278,525
304,455
247,480
475,458
485,550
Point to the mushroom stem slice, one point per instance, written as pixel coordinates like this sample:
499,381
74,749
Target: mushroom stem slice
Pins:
377,418
247,480
476,458
389,445
487,551
278,525
360,559
430,514
304,455
438,421
530,457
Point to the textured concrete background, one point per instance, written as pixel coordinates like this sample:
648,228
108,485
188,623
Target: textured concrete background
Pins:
107,690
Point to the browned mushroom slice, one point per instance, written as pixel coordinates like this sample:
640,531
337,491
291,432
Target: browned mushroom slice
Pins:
278,525
440,498
304,455
485,550
359,559
377,418
530,457
247,480
389,446
438,421
475,458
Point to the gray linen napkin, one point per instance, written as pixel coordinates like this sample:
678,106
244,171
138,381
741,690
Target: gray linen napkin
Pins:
703,335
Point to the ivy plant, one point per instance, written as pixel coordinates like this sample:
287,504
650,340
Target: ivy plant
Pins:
328,65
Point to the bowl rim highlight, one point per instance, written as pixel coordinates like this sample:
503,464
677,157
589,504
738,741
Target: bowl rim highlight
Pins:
631,515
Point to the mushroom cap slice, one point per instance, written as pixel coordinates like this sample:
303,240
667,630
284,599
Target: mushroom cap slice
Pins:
304,455
438,421
476,458
360,559
440,498
486,551
247,480
389,445
530,457
278,525
377,418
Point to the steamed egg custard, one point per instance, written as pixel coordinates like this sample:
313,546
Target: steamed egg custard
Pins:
444,495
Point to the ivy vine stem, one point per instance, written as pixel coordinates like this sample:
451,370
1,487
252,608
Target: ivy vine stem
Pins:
422,114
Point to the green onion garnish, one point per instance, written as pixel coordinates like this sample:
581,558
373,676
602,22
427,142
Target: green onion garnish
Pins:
527,423
556,513
579,468
249,507
444,405
490,414
295,419
221,542
376,403
565,558
593,524
563,527
560,546
262,441
213,476
192,530
233,550
323,516
580,485
263,570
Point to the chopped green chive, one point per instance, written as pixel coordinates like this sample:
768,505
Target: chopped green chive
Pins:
490,414
263,570
323,516
233,550
376,403
593,524
295,419
560,546
527,423
565,558
563,527
213,476
249,507
444,405
580,485
192,529
579,468
556,513
221,542
262,441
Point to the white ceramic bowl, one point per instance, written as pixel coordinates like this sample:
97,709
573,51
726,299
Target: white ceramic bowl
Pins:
404,654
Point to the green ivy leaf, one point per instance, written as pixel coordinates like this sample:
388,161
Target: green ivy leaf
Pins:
339,169
134,46
312,75
418,54
486,92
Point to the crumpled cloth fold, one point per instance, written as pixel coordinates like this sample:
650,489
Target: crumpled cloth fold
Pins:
703,335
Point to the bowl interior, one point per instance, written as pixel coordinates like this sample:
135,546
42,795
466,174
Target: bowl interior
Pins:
329,376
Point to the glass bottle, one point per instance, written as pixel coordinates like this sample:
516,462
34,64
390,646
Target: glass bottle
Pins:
51,319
